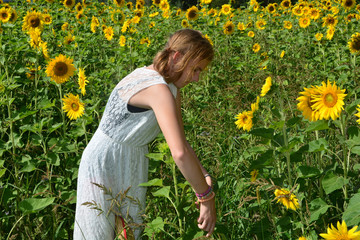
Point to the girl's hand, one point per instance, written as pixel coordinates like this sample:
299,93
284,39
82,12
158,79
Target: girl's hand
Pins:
209,181
207,218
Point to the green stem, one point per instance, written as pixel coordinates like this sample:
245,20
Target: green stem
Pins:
345,153
177,202
61,110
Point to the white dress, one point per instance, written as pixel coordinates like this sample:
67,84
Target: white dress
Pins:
115,158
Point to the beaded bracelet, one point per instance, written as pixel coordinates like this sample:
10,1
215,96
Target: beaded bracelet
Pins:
202,195
207,199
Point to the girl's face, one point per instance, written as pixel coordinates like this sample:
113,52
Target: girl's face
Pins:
191,73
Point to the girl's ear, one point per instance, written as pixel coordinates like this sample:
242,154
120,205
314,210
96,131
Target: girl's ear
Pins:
176,57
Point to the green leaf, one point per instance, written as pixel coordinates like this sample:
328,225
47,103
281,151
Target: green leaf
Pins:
2,172
357,166
156,226
317,208
352,213
317,125
356,150
307,172
31,205
351,108
29,167
155,156
263,160
263,132
162,192
318,145
331,182
152,182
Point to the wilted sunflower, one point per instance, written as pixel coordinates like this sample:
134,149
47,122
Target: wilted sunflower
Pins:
266,87
229,27
348,4
69,3
244,120
192,13
73,106
341,232
109,33
122,40
354,43
32,20
184,23
253,175
285,4
329,101
287,198
82,81
60,69
256,47
226,9
287,25
304,22
330,21
145,41
5,14
358,114
260,24
305,104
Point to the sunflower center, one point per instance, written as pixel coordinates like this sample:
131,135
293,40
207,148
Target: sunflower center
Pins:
356,43
229,28
68,3
192,14
349,3
75,106
330,99
4,15
60,69
34,22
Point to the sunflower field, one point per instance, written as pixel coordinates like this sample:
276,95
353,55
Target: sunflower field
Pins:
275,118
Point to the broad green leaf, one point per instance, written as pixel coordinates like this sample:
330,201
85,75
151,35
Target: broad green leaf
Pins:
306,171
357,166
155,156
29,167
318,145
162,192
352,213
263,160
35,204
351,108
263,132
2,172
356,150
331,182
154,227
152,182
317,125
317,208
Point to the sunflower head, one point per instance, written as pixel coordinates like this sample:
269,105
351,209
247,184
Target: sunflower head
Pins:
5,14
32,20
354,43
192,13
69,3
348,4
287,198
73,106
229,27
60,69
341,232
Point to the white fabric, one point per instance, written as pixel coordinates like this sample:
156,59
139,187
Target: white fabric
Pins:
115,158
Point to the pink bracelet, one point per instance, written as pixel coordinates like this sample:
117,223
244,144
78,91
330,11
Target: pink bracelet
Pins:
207,199
201,195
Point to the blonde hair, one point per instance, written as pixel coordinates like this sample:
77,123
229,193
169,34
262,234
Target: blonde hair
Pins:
190,43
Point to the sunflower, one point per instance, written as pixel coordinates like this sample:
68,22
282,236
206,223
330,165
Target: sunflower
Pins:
72,106
47,18
156,2
209,39
271,8
266,87
192,13
282,54
348,4
164,5
79,7
253,175
80,15
354,43
44,48
69,3
358,114
129,5
184,23
109,33
82,81
35,38
314,13
135,20
64,26
152,24
122,40
297,11
229,27
60,69
32,20
212,12
330,33
287,198
145,41
302,238
256,47
287,25
226,9
341,232
304,22
319,36
241,26
351,16
69,39
330,21
329,101
244,120
285,4
94,23
153,14
251,34
305,104
119,3
260,24
5,14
